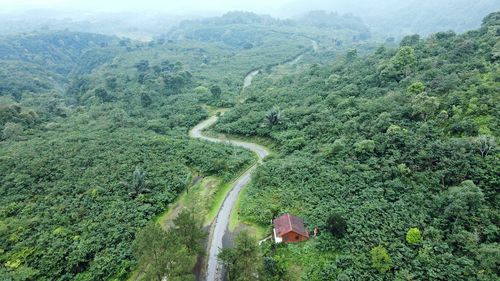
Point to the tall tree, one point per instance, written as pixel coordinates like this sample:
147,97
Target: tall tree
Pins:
243,262
189,229
336,225
139,183
161,256
274,116
216,91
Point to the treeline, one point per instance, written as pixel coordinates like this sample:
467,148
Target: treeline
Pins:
245,30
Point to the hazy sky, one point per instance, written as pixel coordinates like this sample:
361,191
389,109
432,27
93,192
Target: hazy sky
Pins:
173,6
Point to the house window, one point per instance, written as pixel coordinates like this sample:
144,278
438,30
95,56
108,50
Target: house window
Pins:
296,237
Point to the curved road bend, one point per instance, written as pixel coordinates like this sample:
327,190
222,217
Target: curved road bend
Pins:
222,220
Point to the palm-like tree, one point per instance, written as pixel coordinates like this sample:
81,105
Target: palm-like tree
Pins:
274,116
139,183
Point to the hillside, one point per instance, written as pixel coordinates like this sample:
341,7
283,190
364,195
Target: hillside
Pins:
399,139
94,142
390,150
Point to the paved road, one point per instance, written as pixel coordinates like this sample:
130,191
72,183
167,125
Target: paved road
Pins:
248,79
314,45
222,220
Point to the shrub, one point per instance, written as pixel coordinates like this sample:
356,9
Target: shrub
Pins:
413,236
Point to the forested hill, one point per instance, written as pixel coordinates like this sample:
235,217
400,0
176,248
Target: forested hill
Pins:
94,143
50,49
45,60
393,155
399,18
398,146
246,30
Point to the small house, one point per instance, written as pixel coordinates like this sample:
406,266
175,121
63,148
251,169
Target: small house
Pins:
289,229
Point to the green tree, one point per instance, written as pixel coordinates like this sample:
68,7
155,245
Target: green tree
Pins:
160,255
200,90
489,257
174,82
146,99
463,202
352,54
381,260
216,91
139,184
424,106
103,95
404,61
243,262
416,88
364,146
22,273
336,225
410,40
274,116
11,130
142,65
414,236
189,229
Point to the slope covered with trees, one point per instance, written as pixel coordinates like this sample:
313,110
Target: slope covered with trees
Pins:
392,155
92,158
94,138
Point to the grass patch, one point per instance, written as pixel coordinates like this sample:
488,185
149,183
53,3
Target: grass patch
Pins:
236,220
217,201
298,258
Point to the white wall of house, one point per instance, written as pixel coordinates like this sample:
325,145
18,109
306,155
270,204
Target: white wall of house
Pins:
276,238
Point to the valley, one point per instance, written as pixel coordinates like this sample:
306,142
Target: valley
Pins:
168,159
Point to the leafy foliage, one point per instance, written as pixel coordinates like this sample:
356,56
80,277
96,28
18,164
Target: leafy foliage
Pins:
242,262
336,225
397,138
388,141
381,260
161,256
189,229
413,236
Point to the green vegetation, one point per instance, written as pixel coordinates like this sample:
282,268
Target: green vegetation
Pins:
162,254
369,143
399,138
414,236
242,262
381,260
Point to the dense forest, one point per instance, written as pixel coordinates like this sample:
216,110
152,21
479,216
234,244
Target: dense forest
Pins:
398,145
388,148
94,137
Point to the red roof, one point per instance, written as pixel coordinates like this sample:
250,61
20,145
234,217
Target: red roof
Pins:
287,223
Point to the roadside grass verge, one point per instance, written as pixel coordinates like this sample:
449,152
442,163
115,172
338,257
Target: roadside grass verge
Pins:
237,221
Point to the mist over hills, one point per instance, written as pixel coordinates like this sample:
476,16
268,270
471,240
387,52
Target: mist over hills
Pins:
389,18
130,130
399,18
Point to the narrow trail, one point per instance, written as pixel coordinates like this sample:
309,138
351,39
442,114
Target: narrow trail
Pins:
221,224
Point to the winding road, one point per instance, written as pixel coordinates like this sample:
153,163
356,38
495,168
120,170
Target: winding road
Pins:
221,224
222,220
